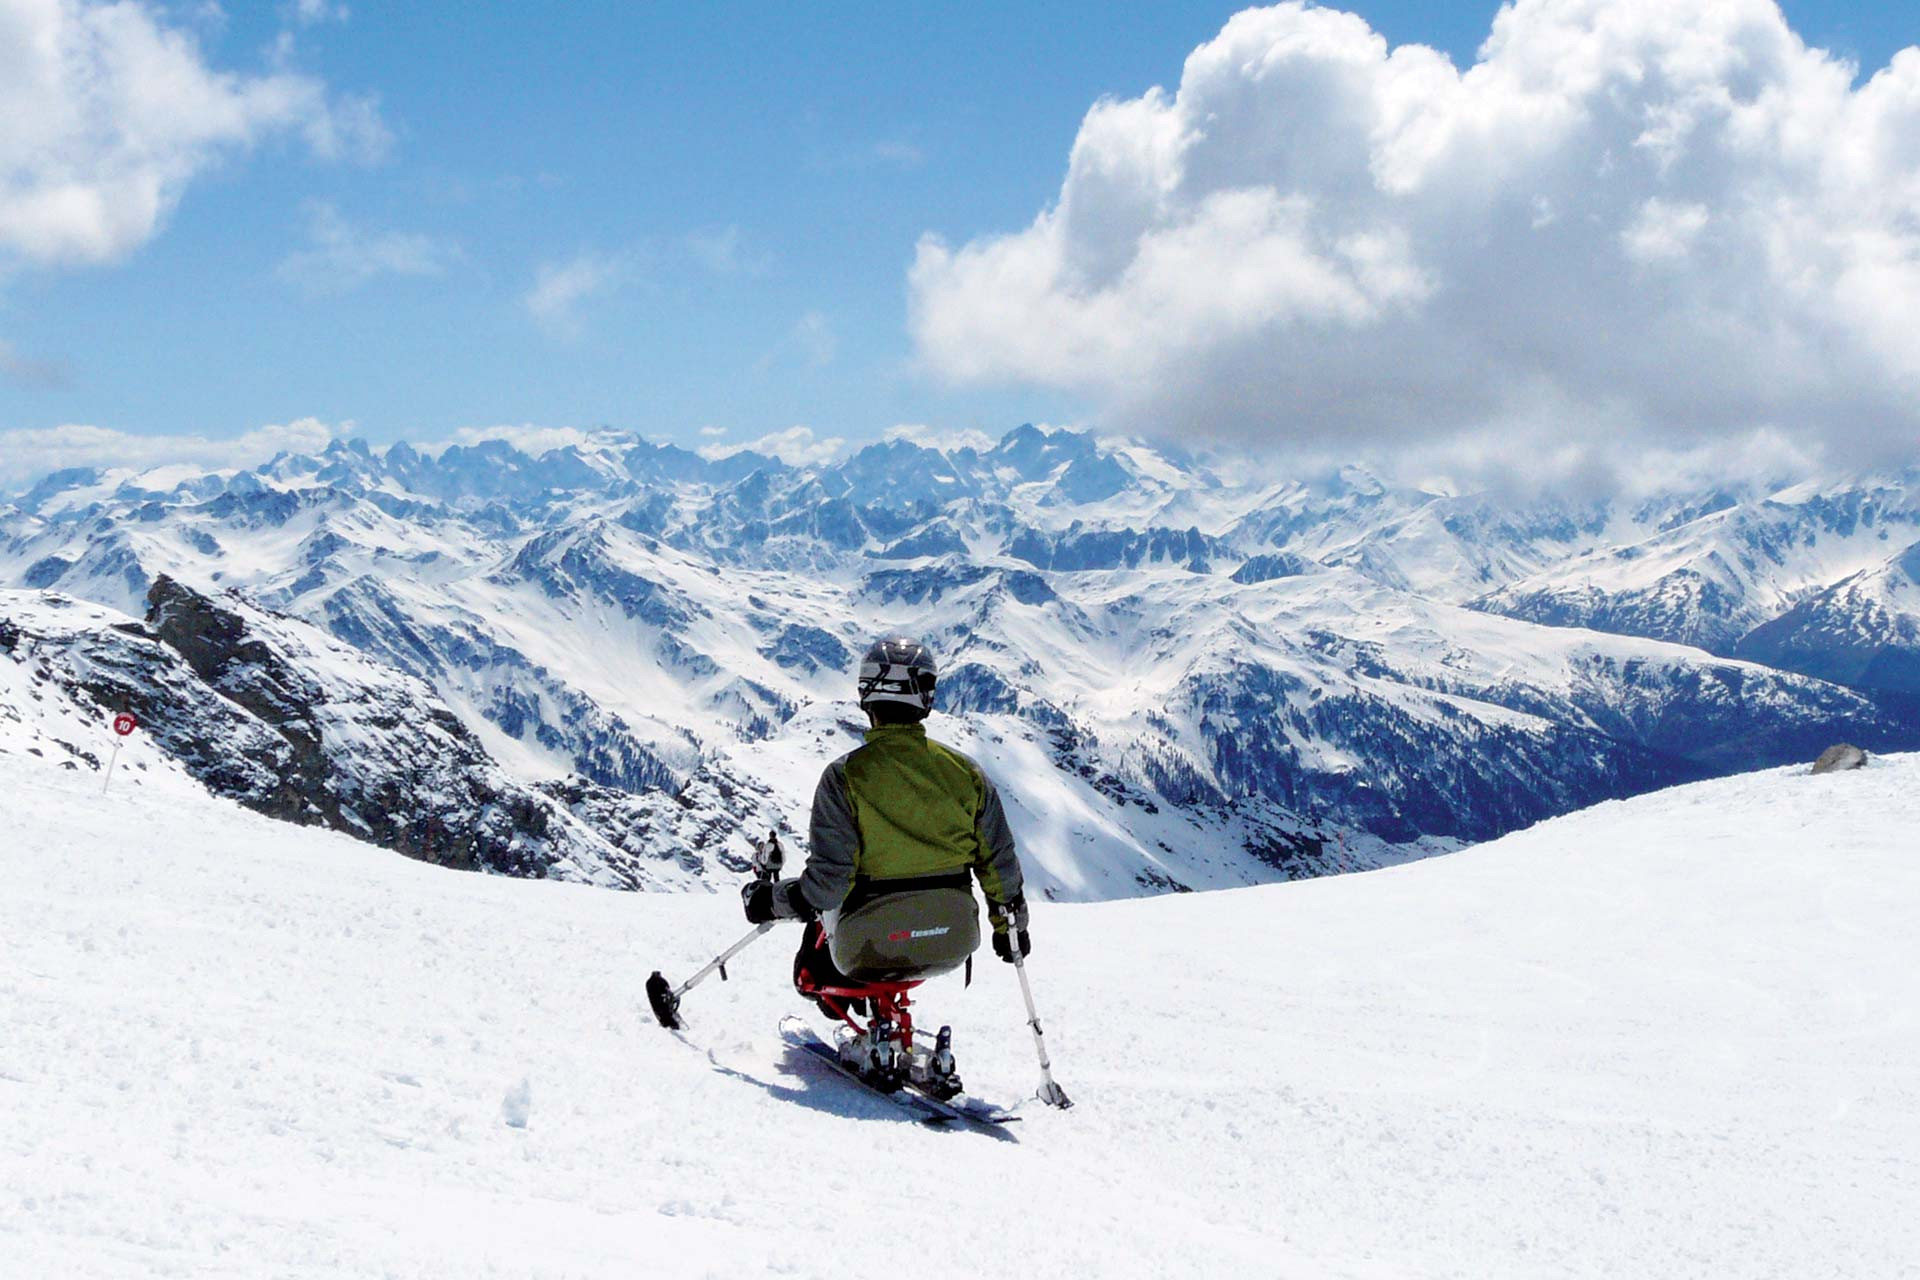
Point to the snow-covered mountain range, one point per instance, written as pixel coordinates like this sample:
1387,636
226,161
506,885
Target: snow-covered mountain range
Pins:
1185,674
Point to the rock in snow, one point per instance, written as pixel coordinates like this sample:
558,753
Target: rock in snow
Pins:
1840,757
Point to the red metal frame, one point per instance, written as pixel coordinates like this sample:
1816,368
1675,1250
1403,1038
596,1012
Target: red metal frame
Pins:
890,1000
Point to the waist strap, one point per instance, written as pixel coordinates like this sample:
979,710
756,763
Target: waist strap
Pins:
867,888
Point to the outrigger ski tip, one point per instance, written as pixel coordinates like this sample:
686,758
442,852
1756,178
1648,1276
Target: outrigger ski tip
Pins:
666,1005
665,999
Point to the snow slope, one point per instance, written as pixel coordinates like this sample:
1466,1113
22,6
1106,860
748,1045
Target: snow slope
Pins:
1673,1036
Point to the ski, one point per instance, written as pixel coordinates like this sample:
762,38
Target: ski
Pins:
909,1096
922,1108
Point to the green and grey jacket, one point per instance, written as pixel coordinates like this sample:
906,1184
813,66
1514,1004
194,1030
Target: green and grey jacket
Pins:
901,807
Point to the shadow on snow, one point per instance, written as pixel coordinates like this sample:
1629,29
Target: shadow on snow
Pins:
826,1090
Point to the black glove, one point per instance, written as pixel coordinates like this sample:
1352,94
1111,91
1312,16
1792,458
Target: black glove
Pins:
1009,928
757,898
769,900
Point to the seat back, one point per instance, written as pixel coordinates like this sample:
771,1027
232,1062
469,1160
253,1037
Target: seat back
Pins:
910,934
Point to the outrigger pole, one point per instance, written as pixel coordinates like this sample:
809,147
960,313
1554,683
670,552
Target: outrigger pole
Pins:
768,858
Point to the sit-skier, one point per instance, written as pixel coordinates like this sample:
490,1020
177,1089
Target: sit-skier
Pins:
901,827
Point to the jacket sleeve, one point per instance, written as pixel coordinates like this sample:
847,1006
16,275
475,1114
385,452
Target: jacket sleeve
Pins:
833,842
999,866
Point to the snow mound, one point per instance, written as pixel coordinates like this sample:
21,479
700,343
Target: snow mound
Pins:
1662,1037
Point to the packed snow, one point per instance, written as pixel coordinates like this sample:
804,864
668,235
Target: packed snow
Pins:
1673,1036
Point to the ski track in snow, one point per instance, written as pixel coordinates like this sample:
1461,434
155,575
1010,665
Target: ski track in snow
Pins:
1673,1036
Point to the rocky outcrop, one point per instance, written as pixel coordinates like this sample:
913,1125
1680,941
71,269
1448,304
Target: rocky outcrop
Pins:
274,714
363,749
1839,758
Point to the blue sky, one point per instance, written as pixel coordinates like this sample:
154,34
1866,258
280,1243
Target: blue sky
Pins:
662,217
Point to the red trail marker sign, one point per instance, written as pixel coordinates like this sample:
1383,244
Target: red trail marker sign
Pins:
123,724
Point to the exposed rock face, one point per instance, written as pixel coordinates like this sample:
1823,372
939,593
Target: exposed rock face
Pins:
276,715
1840,757
695,825
366,749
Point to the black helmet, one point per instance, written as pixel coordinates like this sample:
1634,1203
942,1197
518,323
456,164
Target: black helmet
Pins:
898,669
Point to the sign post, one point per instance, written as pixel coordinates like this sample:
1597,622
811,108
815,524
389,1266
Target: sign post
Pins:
123,724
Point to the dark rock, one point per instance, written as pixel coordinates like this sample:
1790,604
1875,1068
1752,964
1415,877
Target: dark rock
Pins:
803,648
938,538
45,572
1840,757
1266,568
304,729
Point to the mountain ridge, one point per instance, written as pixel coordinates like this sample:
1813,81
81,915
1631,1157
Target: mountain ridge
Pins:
1323,656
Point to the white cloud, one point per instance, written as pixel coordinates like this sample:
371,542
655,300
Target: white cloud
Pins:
848,156
1573,466
108,112
527,437
209,15
796,446
313,12
713,433
724,251
813,333
1660,219
1663,232
350,129
340,257
29,453
560,287
935,438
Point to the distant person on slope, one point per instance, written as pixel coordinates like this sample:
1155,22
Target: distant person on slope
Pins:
899,826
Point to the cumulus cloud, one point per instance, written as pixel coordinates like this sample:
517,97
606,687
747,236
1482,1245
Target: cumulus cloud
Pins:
340,257
29,453
796,446
560,287
108,112
1643,219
